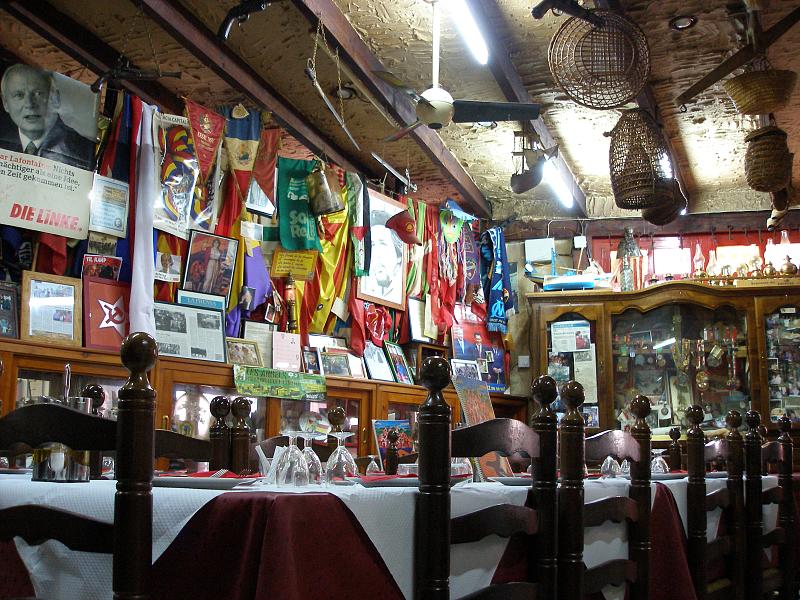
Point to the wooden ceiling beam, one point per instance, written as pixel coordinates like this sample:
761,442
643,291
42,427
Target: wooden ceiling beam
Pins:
83,46
647,101
193,35
721,223
363,63
485,12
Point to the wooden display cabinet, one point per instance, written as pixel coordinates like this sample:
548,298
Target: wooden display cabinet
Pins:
195,382
718,356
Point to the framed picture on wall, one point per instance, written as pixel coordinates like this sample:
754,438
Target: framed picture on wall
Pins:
105,312
397,360
190,332
243,352
51,308
9,310
209,268
386,281
377,364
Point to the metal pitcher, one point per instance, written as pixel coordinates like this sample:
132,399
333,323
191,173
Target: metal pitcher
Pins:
322,200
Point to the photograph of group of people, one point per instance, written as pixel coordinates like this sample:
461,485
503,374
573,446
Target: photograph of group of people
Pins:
472,342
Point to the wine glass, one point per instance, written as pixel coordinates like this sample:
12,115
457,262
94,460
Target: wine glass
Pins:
372,467
312,460
292,467
610,468
658,465
625,468
340,464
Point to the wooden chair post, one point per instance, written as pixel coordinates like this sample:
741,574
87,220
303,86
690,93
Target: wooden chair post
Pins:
570,495
240,435
735,522
696,497
753,507
133,503
432,521
787,512
545,487
219,434
639,536
674,451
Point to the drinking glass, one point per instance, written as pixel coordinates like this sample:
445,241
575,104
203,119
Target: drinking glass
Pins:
340,464
610,468
312,460
625,468
372,467
658,465
292,467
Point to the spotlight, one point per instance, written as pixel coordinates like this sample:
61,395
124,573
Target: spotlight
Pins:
345,92
682,22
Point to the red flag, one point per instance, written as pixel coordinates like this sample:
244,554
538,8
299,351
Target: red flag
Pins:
266,160
207,128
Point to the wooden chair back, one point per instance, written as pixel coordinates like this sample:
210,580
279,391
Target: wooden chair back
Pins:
778,452
434,530
731,546
574,580
132,436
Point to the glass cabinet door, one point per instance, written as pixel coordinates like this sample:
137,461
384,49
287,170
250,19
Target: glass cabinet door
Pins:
782,330
191,413
37,382
572,354
678,355
299,415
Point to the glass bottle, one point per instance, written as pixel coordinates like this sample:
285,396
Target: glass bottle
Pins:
712,268
785,236
699,262
626,276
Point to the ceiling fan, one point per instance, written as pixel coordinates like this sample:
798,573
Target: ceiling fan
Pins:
436,108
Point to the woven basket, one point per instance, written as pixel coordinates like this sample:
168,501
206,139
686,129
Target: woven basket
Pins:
761,92
767,161
600,67
668,212
639,164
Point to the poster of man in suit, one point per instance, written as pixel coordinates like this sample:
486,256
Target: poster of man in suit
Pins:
472,341
48,131
49,115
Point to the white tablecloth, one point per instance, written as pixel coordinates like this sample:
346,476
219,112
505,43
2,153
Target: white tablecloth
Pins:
385,513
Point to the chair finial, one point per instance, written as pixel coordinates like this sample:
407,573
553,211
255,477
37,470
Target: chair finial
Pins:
220,407
733,419
544,390
695,414
785,424
572,395
96,393
139,353
434,374
753,419
675,434
640,406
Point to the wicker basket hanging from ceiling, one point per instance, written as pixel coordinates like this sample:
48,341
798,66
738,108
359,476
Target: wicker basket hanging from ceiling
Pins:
767,161
600,67
667,212
639,162
761,92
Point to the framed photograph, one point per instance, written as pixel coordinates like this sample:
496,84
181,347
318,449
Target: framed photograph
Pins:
483,365
209,268
243,352
261,334
201,300
385,283
357,368
105,313
465,368
334,363
246,296
398,362
190,332
106,267
311,360
416,320
377,364
168,267
471,340
316,340
9,310
51,308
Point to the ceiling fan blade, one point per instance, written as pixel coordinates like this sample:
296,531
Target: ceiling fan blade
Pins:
472,111
397,83
403,132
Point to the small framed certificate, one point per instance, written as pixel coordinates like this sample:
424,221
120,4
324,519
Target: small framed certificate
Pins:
109,206
51,308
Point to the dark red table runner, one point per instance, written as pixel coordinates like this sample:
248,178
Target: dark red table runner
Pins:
254,546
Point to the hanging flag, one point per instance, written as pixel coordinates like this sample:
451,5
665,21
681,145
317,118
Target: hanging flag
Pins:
206,128
358,210
496,279
416,253
431,262
358,332
331,272
141,306
298,226
266,162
